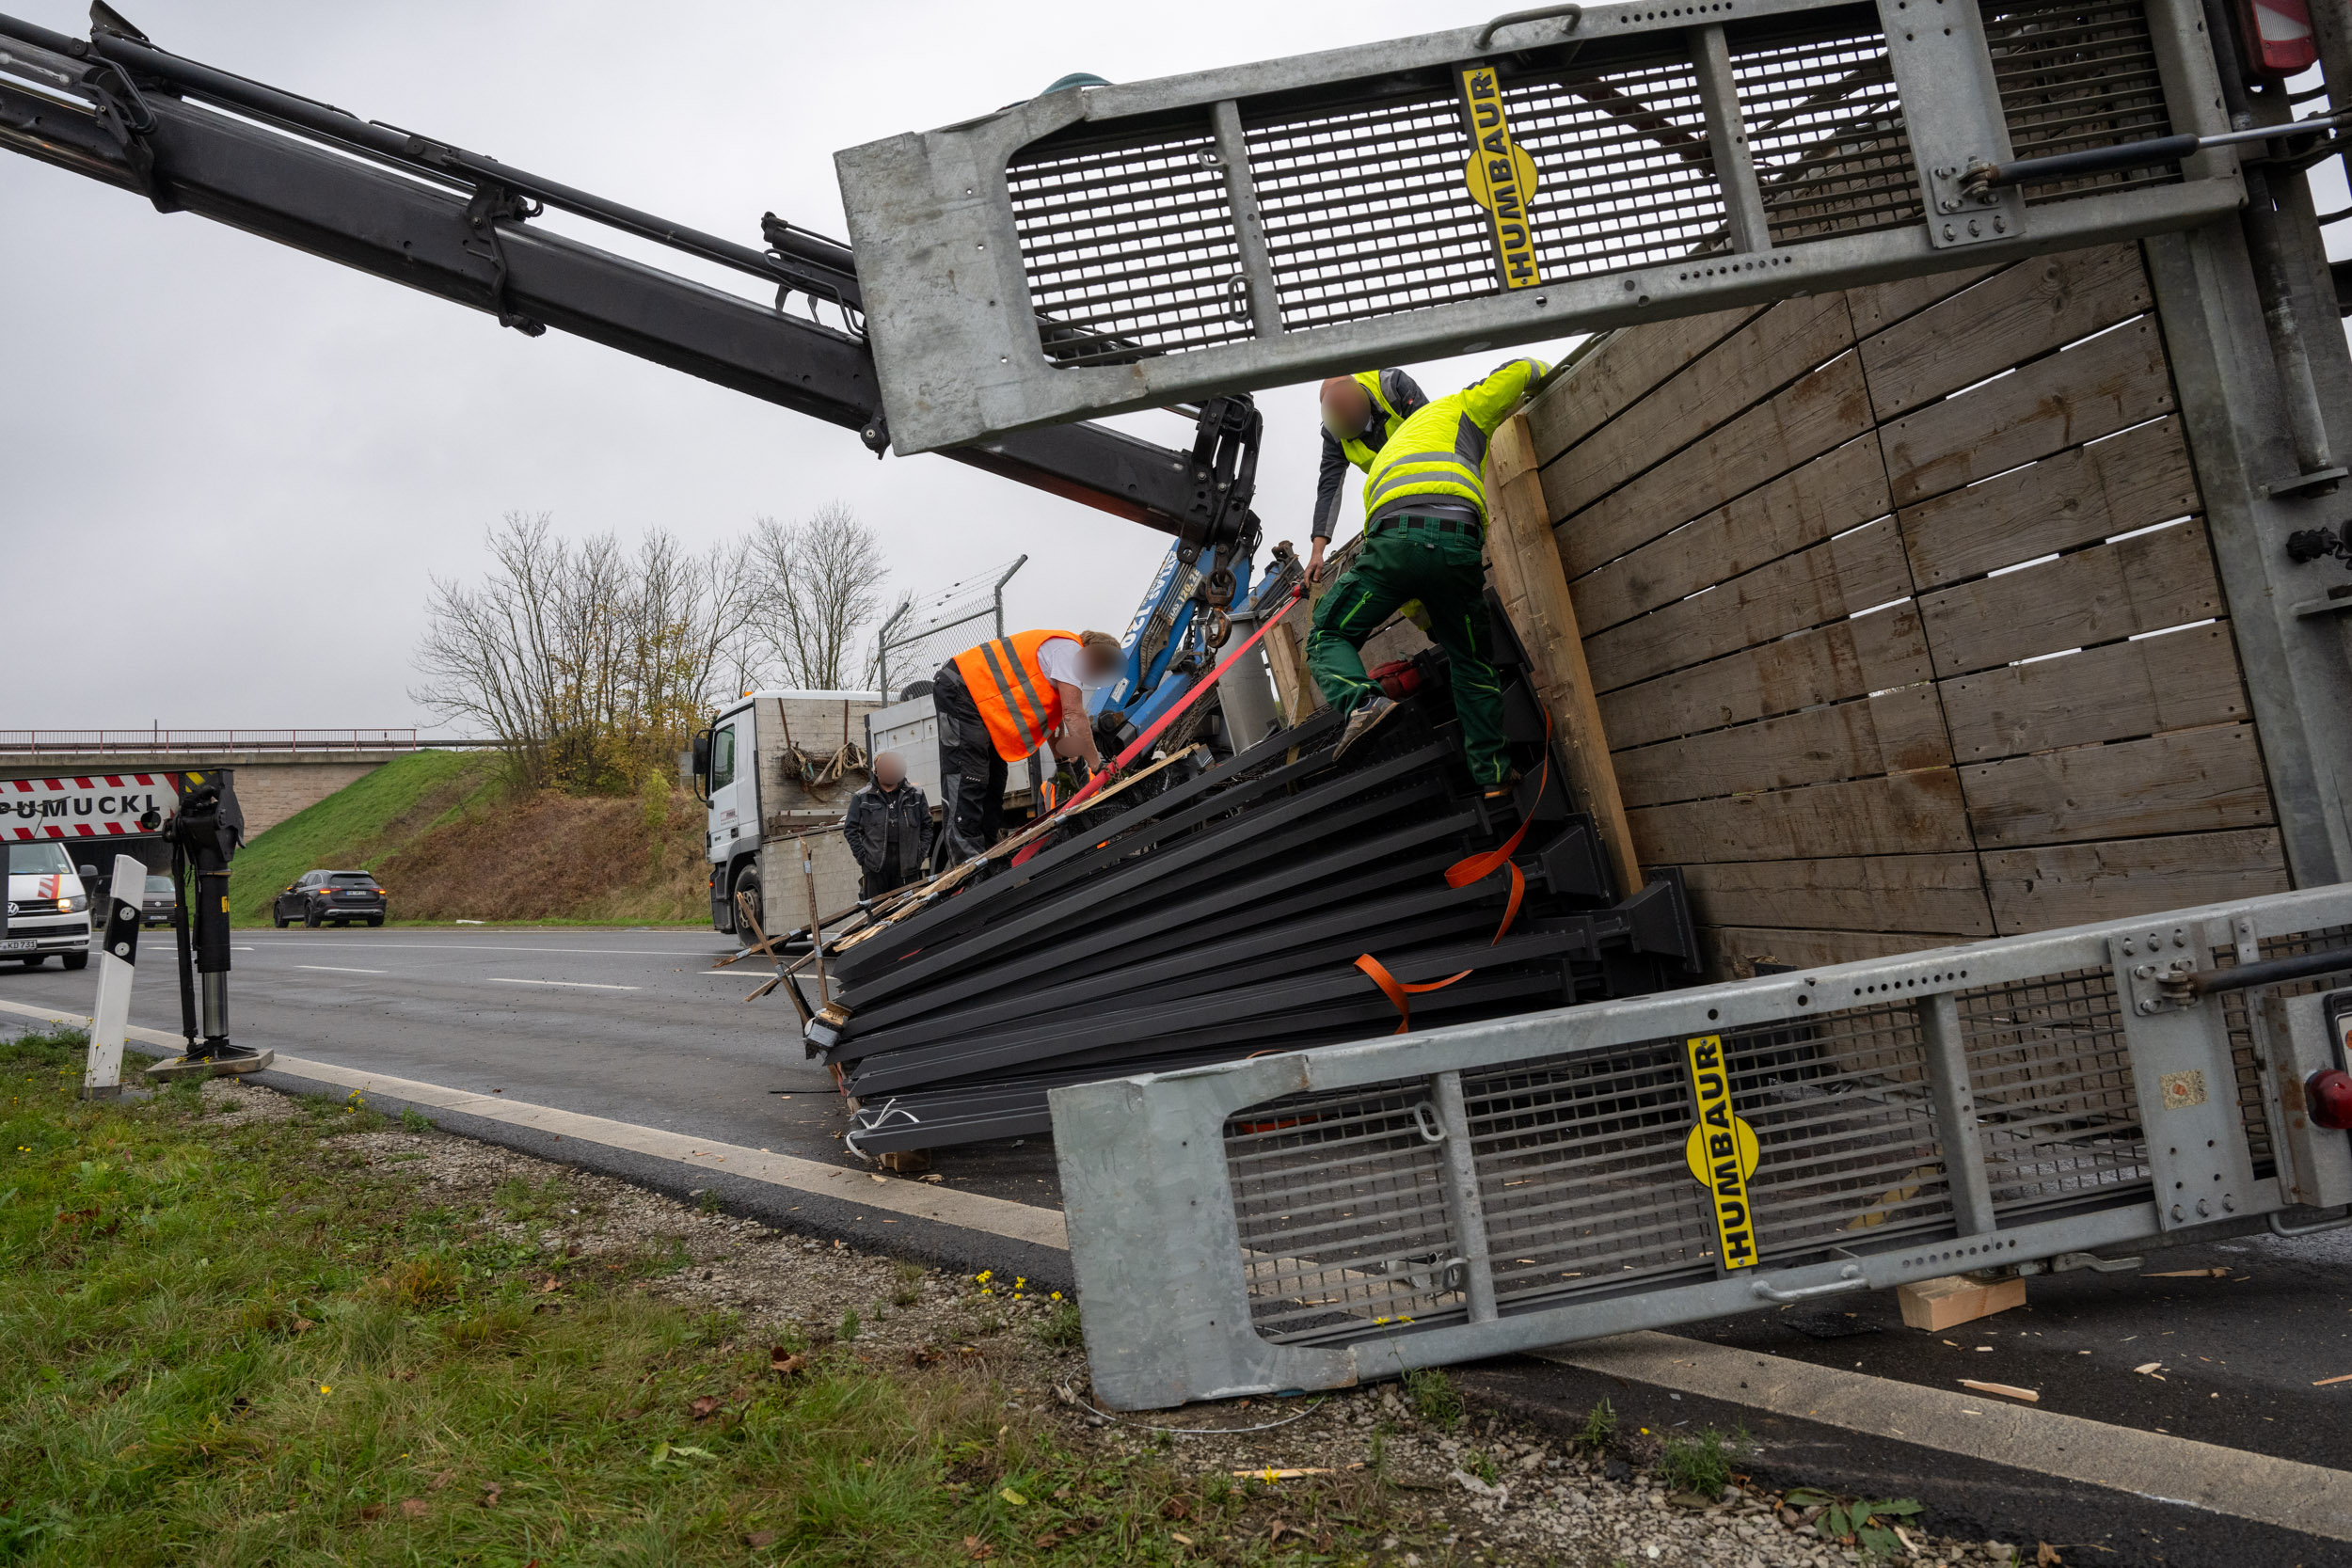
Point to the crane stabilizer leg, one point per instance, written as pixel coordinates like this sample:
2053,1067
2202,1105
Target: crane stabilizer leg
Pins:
204,835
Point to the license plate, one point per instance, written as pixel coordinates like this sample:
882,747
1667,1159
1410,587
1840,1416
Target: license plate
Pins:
20,944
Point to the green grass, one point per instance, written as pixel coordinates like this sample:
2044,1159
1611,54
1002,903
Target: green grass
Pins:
228,1345
1699,1463
1433,1398
347,831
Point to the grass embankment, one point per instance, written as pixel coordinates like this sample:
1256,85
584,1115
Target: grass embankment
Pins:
452,842
229,1340
361,826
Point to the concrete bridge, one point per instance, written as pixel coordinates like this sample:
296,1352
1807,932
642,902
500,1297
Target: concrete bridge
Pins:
278,771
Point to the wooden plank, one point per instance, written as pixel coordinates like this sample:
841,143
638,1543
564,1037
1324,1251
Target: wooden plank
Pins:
1619,372
1891,733
1839,490
1918,812
2092,390
2044,888
1876,306
2188,781
1845,658
1734,953
2100,594
2182,680
1525,561
1285,653
1940,895
1744,369
2022,312
1826,409
2135,480
1841,577
1936,1304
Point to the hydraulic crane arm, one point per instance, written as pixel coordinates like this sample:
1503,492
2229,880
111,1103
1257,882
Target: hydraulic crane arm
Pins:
191,139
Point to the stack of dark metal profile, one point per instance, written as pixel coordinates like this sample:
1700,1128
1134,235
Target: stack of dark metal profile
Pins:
1224,915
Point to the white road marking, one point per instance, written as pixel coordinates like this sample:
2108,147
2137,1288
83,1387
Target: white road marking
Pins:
342,969
347,943
577,985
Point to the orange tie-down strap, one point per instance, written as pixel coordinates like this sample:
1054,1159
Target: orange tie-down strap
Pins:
1462,873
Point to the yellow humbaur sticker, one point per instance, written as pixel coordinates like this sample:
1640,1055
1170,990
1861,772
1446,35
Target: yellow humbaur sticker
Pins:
1500,175
1722,1150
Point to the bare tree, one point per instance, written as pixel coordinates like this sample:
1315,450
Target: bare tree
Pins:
820,582
590,665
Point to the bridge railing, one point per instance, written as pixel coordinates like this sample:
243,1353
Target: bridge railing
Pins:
152,741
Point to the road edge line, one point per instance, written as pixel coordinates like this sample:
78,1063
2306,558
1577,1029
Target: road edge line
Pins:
936,1203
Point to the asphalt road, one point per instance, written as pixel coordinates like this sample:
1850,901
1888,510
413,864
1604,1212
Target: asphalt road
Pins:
630,1025
634,1025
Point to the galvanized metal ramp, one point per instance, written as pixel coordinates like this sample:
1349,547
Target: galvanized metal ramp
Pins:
1319,1218
1114,247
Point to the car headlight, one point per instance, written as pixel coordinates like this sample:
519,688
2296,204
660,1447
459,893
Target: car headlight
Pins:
73,903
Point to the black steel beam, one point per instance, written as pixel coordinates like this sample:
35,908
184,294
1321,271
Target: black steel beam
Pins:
421,228
1270,896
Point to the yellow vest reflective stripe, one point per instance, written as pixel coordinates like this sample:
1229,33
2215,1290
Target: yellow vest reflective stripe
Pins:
1358,452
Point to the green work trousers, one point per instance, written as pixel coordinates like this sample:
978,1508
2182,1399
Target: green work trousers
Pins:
1406,561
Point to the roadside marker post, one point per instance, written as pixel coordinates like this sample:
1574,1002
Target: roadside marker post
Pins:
118,962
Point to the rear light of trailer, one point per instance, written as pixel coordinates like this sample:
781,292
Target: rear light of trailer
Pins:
2327,1095
2278,33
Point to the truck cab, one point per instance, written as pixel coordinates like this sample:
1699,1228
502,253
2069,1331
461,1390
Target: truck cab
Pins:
773,769
764,766
48,906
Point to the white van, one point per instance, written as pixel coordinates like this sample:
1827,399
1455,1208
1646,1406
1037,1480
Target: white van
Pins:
48,907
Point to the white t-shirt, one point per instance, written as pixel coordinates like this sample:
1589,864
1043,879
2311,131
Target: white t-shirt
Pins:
1059,656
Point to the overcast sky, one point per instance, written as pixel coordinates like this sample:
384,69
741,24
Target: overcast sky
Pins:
260,456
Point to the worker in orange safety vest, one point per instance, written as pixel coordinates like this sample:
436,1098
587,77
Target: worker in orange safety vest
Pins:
997,703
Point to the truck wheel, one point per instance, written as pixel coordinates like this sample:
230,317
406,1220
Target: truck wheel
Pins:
74,960
748,882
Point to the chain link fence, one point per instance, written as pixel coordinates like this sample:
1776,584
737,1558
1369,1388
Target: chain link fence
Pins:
925,631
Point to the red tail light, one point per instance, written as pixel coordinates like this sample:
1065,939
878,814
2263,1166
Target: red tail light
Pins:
2328,1094
2279,39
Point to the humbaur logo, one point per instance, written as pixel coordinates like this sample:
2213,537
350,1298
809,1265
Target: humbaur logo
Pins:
1500,175
1722,1150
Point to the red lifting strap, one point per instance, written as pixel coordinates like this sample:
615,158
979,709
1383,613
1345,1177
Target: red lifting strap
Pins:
1462,873
1137,747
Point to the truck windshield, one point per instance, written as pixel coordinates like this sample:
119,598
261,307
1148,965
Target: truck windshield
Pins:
39,860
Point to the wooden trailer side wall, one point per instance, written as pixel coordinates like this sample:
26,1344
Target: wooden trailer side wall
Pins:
1902,613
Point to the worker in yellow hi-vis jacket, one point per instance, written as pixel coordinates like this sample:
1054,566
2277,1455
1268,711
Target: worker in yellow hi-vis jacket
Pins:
1424,535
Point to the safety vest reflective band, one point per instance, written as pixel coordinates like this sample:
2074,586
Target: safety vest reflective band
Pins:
1357,451
1438,452
1021,705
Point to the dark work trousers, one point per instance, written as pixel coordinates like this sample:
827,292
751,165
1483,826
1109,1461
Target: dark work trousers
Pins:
1415,558
971,775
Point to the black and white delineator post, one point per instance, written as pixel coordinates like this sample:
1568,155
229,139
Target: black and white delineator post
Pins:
118,962
204,834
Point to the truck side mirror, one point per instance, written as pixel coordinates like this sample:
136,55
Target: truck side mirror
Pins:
87,872
702,765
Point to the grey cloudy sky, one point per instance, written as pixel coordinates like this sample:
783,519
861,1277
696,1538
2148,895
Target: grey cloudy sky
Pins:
224,434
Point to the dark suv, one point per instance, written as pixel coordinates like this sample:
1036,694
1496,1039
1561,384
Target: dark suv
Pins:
330,898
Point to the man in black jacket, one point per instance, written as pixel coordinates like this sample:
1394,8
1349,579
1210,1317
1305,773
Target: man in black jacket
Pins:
889,829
